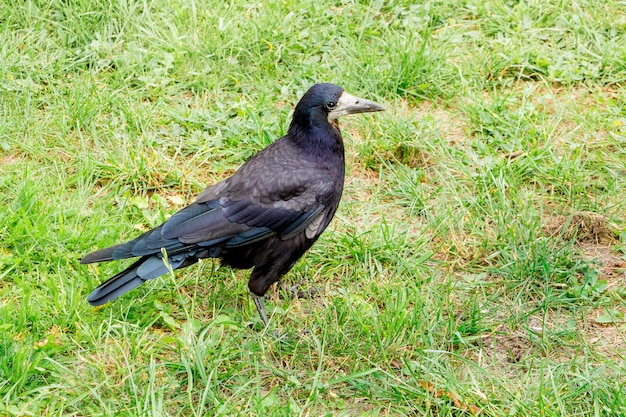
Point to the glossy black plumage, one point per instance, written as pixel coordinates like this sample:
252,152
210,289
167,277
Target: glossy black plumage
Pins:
264,217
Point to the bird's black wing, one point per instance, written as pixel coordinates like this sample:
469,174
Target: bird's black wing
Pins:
277,192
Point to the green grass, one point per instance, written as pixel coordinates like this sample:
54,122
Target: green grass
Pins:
476,264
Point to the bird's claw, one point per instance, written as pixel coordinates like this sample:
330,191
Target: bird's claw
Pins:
295,291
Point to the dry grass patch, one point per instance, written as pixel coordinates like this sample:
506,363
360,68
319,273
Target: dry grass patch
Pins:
582,227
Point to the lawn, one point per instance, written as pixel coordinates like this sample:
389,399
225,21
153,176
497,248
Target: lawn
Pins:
476,265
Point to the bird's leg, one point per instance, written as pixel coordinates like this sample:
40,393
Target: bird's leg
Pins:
260,307
295,292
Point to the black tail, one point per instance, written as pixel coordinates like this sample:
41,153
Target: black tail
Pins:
117,285
147,267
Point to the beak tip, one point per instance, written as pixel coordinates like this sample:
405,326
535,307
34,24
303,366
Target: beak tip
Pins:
373,106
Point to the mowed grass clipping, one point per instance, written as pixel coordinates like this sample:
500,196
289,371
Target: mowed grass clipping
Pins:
476,265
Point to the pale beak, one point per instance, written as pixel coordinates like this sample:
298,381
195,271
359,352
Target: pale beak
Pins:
349,104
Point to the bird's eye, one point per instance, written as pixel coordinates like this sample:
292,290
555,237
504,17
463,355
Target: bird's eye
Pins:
331,105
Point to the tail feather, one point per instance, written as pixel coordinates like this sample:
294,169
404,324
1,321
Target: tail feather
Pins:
154,266
101,255
117,285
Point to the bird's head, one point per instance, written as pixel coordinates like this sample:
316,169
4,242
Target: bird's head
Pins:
325,103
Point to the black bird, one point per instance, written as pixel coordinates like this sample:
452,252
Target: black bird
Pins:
265,216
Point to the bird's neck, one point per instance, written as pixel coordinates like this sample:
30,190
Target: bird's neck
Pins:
323,140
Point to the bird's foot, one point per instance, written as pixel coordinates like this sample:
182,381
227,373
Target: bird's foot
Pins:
295,291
